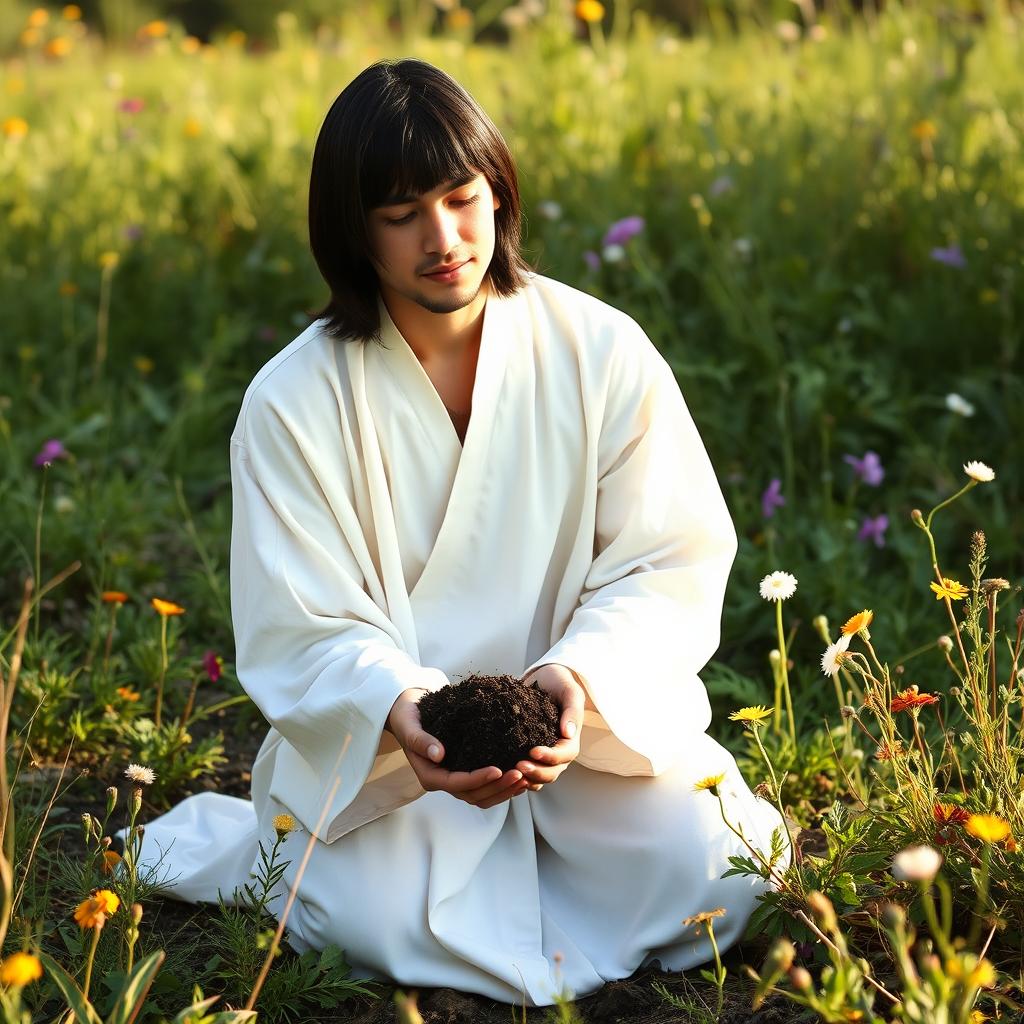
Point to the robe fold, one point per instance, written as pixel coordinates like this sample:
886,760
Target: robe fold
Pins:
581,524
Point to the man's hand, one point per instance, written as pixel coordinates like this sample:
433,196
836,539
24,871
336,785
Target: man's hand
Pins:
547,763
483,788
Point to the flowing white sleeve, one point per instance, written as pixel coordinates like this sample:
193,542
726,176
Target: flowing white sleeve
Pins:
649,615
314,650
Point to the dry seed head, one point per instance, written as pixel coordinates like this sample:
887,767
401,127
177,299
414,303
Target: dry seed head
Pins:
846,711
994,585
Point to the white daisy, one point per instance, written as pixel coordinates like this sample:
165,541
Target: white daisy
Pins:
613,253
549,209
958,404
980,472
916,864
835,654
777,586
140,773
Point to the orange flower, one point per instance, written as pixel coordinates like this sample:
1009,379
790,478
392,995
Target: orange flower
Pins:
949,814
910,699
860,621
166,608
125,693
111,858
113,597
94,911
989,828
58,47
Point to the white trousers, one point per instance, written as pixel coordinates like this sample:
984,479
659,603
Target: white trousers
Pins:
595,868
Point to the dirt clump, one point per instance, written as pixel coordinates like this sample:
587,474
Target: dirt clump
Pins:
490,720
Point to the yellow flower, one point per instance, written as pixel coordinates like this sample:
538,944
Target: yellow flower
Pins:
589,10
94,911
704,916
754,715
236,38
192,127
71,12
15,128
154,29
987,296
59,47
109,260
924,130
68,288
989,828
29,37
166,608
977,1017
283,824
458,19
949,588
859,621
38,18
143,364
983,975
19,969
190,44
711,783
110,861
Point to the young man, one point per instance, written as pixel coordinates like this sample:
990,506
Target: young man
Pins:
462,466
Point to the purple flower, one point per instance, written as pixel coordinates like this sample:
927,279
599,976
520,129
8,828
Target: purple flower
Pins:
131,104
592,260
52,449
951,256
772,498
869,469
212,663
622,231
873,528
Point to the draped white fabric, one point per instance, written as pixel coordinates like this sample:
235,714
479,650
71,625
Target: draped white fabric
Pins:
581,523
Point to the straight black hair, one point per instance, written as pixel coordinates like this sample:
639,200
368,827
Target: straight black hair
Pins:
400,128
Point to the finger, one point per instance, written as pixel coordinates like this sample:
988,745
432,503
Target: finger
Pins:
433,777
508,794
427,746
562,752
508,780
538,774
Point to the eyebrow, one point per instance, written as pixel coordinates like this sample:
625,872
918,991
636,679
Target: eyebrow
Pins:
448,186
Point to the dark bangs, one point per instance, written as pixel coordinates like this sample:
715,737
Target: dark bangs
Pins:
400,128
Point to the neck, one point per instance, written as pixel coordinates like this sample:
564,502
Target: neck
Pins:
437,336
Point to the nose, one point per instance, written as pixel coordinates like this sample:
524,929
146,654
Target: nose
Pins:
441,232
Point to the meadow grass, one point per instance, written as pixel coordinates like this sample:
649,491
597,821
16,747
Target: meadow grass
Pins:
830,258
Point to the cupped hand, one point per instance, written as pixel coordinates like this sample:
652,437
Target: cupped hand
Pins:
484,787
545,764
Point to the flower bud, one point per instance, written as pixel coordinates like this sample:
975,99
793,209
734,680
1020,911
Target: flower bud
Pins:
916,517
893,916
945,643
775,657
106,842
800,978
136,913
780,956
111,799
87,825
136,800
824,912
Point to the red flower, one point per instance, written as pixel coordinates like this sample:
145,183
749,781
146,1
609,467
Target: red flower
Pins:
910,699
212,662
949,814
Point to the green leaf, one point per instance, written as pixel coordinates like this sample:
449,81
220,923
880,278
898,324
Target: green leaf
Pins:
73,995
133,995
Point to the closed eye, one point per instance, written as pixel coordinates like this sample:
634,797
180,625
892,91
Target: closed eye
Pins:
455,202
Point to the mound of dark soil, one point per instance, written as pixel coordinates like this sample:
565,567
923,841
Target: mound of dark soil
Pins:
490,720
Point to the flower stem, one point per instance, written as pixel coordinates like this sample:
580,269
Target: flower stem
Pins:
92,956
784,670
163,669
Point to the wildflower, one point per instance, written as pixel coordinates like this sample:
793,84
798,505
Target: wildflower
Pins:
980,472
19,969
192,128
949,814
623,230
94,911
38,18
110,861
71,12
989,828
128,694
213,663
889,751
835,654
743,248
283,824
548,208
166,608
592,260
778,586
949,588
752,716
113,597
51,450
154,29
910,700
190,44
958,404
58,47
711,784
613,253
951,256
924,130
916,864
873,528
945,643
131,105
859,621
704,916
144,365
140,773
787,31
868,468
772,498
108,260
589,10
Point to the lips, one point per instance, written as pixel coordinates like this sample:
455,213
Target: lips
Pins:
446,269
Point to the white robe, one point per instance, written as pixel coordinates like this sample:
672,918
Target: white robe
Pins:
581,523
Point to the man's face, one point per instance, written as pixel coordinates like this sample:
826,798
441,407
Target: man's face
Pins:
413,236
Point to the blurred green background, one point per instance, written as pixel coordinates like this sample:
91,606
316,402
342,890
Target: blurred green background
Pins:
830,257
